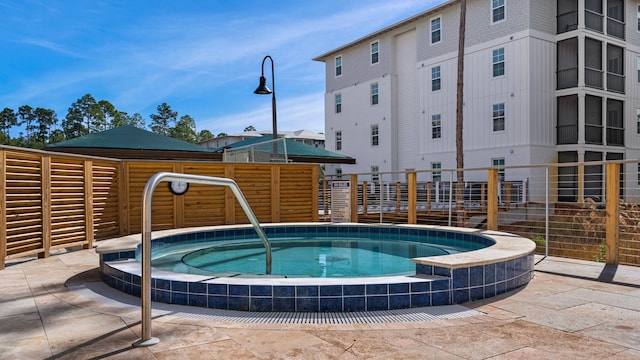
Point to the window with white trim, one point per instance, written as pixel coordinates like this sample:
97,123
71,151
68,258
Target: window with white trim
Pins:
638,17
435,78
498,117
375,48
375,173
638,121
436,176
638,69
436,30
374,94
338,65
338,102
374,135
499,163
436,126
339,140
498,62
339,173
497,10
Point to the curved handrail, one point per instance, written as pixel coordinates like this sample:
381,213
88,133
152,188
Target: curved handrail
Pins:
147,195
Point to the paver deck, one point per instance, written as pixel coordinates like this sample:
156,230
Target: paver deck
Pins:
58,308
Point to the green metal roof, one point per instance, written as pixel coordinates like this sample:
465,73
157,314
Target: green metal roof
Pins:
294,148
129,137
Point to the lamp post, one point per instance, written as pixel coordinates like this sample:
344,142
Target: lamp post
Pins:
264,90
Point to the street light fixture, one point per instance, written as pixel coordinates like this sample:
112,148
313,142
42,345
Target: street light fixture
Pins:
263,89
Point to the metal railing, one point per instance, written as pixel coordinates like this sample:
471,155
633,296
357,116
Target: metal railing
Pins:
147,196
562,207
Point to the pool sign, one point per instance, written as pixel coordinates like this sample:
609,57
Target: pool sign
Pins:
341,201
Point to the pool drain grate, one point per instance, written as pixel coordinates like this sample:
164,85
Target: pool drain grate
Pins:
368,317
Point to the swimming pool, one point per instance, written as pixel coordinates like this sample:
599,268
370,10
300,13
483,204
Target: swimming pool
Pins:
503,262
338,254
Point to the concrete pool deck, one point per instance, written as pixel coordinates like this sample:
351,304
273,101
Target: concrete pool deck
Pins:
58,308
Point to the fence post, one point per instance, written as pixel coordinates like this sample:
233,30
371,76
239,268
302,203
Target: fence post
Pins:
3,208
45,182
492,200
354,198
412,198
88,203
612,212
365,198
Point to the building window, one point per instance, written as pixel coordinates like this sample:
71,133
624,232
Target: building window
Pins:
375,173
338,66
638,121
435,31
638,174
638,17
498,117
339,173
339,140
374,94
435,78
374,135
638,69
498,62
436,176
499,163
497,10
338,103
436,126
375,52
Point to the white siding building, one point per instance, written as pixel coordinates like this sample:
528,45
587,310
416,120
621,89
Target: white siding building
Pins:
545,81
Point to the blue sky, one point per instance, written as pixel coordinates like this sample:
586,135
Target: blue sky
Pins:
203,58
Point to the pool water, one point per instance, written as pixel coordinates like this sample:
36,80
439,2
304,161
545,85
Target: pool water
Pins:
303,256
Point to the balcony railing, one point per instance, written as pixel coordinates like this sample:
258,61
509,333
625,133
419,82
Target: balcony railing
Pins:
567,78
615,136
593,21
593,134
593,78
615,28
615,82
567,22
567,134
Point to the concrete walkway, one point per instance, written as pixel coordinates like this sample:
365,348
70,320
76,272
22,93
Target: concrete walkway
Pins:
58,308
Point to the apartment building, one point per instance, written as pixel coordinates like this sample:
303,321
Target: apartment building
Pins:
545,81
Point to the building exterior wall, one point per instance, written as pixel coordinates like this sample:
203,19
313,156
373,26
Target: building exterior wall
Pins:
528,89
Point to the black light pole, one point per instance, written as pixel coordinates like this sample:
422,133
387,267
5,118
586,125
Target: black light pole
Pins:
264,90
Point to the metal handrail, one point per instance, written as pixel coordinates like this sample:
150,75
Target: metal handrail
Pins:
147,195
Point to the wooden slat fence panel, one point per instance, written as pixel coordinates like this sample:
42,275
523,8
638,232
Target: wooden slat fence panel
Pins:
106,182
67,201
204,204
163,203
297,193
23,174
254,181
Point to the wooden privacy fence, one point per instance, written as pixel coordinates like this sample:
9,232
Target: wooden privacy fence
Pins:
51,200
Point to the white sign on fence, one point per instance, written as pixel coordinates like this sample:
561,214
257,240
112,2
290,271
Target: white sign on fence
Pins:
341,201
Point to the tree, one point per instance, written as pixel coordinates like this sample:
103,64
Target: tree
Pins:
137,120
45,119
163,121
57,135
222,134
84,116
205,135
109,114
8,119
249,128
26,115
184,130
460,219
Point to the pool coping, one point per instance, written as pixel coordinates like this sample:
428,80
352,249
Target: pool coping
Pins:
439,280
